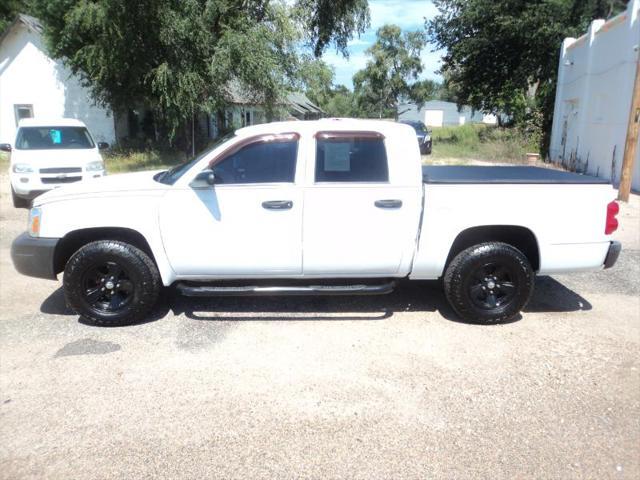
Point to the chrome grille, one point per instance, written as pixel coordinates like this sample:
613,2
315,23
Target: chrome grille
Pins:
60,180
61,170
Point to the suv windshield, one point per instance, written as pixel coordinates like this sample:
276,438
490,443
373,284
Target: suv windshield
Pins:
53,138
171,176
419,127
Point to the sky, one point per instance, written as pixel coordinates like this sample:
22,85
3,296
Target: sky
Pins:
408,15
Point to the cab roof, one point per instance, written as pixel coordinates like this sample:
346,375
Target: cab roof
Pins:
325,124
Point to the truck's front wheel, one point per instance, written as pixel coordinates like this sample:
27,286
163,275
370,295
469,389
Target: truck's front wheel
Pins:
111,283
489,283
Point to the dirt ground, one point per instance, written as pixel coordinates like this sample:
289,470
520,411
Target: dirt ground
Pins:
384,387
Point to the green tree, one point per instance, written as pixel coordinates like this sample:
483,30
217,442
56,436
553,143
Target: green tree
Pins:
327,21
316,78
9,9
342,103
391,72
422,91
179,56
502,55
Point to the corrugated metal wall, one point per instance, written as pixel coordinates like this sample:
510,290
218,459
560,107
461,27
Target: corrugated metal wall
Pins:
450,113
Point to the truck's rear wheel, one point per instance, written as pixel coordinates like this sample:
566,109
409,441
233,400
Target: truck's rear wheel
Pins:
489,283
111,283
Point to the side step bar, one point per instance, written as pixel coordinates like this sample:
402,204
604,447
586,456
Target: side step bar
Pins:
251,290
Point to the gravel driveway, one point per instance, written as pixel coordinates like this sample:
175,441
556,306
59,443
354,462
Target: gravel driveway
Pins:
368,387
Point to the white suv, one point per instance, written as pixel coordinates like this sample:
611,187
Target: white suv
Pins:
51,153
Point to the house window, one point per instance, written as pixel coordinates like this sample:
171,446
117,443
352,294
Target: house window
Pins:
22,111
247,117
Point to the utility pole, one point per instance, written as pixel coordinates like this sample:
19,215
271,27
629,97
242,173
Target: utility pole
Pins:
631,143
193,132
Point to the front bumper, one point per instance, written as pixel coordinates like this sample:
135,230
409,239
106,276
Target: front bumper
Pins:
31,195
34,256
612,254
31,185
425,146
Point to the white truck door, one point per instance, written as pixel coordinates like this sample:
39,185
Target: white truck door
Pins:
248,223
357,222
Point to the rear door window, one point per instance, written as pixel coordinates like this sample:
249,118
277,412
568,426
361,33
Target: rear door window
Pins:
351,157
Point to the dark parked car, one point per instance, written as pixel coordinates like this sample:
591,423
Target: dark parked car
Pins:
422,133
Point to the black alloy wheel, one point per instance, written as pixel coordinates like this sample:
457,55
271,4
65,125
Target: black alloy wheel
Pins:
111,283
492,285
107,287
489,283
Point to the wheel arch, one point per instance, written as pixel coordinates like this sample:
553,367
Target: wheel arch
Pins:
517,236
74,240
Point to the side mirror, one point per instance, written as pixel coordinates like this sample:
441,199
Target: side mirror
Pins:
205,177
5,147
103,145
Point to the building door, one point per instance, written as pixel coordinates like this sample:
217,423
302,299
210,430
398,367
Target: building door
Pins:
434,118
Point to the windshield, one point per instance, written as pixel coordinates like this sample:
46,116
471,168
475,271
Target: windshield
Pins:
419,127
53,138
172,175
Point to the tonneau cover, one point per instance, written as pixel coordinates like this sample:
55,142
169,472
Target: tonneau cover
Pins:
497,175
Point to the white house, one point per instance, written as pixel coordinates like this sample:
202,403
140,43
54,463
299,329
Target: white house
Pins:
593,97
34,85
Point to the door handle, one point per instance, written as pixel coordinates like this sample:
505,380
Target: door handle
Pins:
278,205
388,203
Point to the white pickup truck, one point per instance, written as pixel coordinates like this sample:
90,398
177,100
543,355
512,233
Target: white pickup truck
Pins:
334,206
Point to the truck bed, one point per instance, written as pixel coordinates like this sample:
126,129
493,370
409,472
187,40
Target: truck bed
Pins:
454,174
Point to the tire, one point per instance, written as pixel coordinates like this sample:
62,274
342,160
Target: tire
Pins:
489,283
19,202
111,283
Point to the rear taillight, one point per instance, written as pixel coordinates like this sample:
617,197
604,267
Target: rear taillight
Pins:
612,222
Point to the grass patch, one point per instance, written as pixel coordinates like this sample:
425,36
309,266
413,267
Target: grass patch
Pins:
4,161
132,161
459,144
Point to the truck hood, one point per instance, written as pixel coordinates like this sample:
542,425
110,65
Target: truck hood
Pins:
118,184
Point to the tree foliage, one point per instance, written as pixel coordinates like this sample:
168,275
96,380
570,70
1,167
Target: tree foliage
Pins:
179,56
392,72
316,79
327,21
502,55
9,9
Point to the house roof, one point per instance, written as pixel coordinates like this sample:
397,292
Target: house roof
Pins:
239,94
32,23
300,102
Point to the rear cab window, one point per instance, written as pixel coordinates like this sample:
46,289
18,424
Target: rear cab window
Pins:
53,138
351,157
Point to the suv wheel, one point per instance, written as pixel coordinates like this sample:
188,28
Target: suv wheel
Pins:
19,202
111,283
489,283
